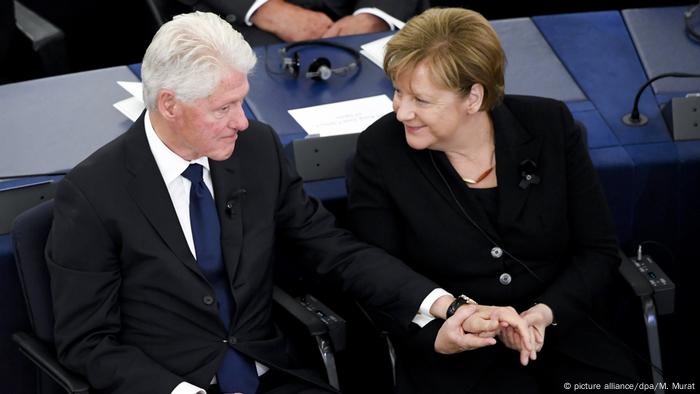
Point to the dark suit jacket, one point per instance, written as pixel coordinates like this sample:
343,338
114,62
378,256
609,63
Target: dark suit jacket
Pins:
133,311
559,229
336,9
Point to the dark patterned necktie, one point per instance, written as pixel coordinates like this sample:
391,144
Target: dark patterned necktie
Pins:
236,372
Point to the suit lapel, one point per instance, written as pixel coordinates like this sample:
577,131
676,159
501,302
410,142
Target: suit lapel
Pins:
514,144
229,196
151,195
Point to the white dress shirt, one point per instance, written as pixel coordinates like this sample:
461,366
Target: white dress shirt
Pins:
171,167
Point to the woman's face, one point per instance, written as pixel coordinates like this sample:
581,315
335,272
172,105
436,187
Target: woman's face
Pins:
431,115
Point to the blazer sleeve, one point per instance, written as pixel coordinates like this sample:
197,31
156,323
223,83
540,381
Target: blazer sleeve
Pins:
369,274
593,246
376,220
85,279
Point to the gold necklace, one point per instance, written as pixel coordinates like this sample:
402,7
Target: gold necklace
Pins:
480,178
484,174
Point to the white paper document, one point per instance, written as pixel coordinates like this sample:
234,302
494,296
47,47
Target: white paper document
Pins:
132,106
374,50
344,117
134,88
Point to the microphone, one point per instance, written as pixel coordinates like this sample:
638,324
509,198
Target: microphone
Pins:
231,201
634,118
528,169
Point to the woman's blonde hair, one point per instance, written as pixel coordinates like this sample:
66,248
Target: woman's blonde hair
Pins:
460,48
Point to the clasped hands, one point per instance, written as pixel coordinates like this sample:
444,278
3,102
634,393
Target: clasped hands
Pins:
475,326
292,23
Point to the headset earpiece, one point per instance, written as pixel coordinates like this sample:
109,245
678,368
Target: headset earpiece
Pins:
691,23
292,64
320,69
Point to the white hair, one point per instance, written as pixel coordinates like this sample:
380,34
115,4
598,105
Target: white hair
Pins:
190,54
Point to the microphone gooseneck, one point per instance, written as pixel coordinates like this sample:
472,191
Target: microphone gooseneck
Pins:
636,119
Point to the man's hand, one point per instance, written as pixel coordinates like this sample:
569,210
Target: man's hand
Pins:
538,318
356,24
290,22
452,339
505,316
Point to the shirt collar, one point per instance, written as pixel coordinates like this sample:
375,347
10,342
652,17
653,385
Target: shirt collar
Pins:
169,163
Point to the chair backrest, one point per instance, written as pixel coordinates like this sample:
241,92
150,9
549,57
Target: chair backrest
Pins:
29,234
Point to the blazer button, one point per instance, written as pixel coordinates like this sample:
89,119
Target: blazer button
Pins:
208,300
232,340
496,252
505,279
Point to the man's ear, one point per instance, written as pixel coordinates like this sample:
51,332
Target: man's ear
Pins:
475,98
167,104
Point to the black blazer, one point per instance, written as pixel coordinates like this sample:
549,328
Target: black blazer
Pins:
134,312
557,239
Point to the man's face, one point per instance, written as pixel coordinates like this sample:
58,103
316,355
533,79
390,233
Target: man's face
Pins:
210,126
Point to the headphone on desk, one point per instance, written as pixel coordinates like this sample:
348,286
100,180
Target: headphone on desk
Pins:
320,69
691,28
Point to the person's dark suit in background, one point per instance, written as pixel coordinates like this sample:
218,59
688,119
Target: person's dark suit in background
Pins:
135,312
492,197
272,21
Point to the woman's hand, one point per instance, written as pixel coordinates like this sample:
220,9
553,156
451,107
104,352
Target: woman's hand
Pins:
474,326
538,318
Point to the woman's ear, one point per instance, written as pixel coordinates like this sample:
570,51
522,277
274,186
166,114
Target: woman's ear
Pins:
475,98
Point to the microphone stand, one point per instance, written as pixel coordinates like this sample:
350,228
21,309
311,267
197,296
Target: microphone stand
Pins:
635,119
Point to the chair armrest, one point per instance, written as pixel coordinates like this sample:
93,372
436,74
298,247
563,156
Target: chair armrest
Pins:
47,40
636,281
321,322
44,358
37,29
647,279
314,315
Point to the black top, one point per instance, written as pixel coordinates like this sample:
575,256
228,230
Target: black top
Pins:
487,200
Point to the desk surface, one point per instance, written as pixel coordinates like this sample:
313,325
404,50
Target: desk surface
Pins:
664,47
273,92
49,125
